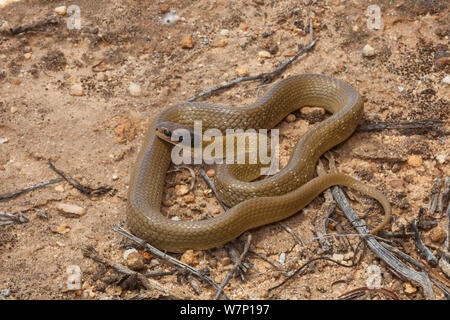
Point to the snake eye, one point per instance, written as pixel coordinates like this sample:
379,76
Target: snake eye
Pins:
180,139
166,132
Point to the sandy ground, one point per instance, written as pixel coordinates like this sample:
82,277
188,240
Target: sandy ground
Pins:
95,136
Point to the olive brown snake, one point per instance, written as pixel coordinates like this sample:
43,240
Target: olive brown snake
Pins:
253,203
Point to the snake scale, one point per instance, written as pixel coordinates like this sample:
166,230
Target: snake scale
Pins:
253,203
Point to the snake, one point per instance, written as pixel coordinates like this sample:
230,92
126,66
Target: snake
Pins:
251,203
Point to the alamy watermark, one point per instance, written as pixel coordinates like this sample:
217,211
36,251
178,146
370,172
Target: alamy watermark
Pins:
235,147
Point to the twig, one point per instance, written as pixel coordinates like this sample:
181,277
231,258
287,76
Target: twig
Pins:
349,295
85,190
7,218
399,267
423,249
275,264
354,263
234,255
211,185
435,192
444,197
149,284
292,233
447,239
235,266
264,77
191,171
168,258
35,26
28,189
416,263
417,124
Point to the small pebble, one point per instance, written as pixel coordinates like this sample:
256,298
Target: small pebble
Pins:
187,42
291,118
190,258
5,292
282,258
264,54
170,18
243,26
134,89
61,10
115,176
76,90
71,209
189,198
210,173
446,80
27,55
312,112
3,140
409,288
181,190
164,8
400,89
415,161
438,234
135,260
59,188
242,71
225,261
441,158
368,51
13,110
225,32
338,257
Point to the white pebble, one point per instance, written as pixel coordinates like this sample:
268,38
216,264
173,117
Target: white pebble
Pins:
446,80
282,259
76,90
4,140
127,253
225,32
368,51
61,10
115,176
400,88
134,89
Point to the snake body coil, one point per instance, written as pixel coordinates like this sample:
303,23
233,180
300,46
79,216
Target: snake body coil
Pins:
253,203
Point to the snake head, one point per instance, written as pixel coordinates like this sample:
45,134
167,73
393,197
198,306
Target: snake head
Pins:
175,133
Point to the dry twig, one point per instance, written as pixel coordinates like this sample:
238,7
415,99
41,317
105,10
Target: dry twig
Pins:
235,266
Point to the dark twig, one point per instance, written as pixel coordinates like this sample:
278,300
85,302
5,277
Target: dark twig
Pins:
435,191
447,239
349,295
265,77
423,249
234,255
28,189
355,262
445,196
211,185
292,233
191,171
235,266
7,218
168,258
417,124
149,284
439,283
399,267
85,190
36,26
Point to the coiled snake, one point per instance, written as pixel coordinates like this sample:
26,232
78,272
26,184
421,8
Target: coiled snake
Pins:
254,203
